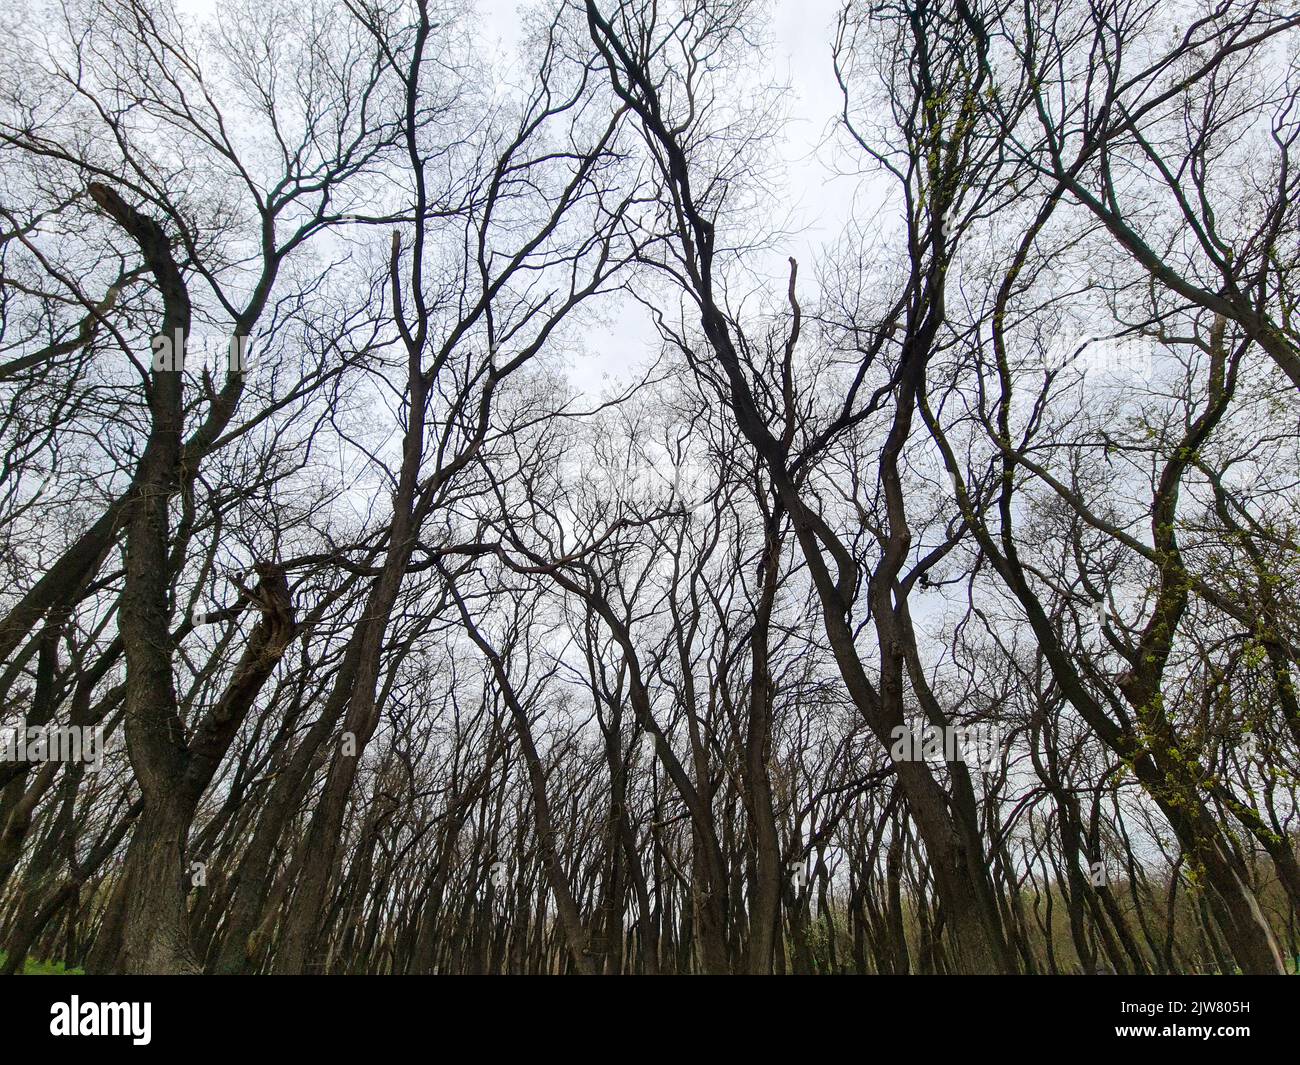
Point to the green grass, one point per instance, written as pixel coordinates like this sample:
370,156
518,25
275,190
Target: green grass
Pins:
32,967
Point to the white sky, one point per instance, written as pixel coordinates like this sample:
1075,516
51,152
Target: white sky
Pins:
801,34
817,202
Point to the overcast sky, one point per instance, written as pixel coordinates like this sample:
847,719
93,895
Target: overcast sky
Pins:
801,34
815,201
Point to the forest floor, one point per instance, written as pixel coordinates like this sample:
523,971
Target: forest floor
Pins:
32,967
